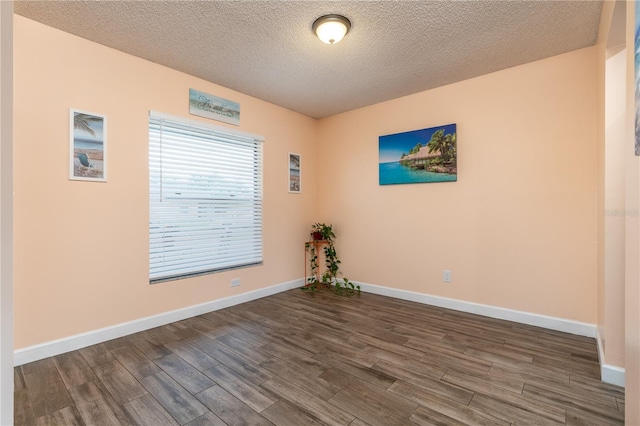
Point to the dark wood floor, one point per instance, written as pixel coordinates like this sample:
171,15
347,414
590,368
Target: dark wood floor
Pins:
295,359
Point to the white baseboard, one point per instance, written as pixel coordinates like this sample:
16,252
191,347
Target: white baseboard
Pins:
609,373
71,343
552,323
612,374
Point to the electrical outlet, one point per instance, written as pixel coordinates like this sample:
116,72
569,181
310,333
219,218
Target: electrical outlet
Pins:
235,282
446,276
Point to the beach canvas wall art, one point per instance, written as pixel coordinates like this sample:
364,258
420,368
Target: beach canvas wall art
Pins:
419,156
88,146
636,61
294,173
209,106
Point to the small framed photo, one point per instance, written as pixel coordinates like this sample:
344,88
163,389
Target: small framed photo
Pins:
294,174
88,146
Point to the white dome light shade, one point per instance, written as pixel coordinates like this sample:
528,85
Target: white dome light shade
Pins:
331,28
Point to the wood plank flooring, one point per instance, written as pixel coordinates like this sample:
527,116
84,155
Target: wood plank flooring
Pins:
297,359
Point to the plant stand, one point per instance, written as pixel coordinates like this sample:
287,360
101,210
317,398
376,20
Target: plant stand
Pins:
314,248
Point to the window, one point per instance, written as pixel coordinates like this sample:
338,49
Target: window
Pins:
205,198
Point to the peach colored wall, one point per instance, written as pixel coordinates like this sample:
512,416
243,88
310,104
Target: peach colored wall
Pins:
81,248
519,227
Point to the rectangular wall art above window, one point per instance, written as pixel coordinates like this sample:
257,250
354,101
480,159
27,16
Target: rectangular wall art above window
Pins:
205,198
419,156
209,106
87,146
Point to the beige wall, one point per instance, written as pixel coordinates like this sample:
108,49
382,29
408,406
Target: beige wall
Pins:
518,229
81,248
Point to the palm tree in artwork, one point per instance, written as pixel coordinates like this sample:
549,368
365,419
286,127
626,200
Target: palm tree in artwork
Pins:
452,145
294,161
446,144
437,142
83,122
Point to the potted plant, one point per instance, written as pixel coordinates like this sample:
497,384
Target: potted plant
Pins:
322,231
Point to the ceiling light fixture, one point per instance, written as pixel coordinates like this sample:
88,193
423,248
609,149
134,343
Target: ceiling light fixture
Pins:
331,28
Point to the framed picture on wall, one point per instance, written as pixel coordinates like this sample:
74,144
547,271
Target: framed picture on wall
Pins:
87,146
419,156
294,174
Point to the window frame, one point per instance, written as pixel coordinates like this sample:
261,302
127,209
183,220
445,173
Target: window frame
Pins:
169,241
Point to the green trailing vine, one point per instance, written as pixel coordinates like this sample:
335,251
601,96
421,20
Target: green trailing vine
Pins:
346,288
312,282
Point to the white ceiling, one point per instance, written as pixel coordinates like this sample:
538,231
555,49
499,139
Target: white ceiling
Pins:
267,49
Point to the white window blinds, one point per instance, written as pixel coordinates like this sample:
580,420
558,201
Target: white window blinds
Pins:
205,198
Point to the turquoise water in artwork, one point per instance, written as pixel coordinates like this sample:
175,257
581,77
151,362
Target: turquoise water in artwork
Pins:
395,173
87,143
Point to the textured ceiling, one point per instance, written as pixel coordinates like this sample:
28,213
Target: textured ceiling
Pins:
267,48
